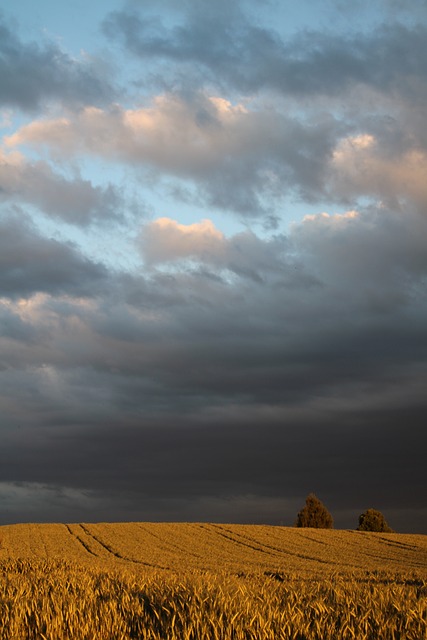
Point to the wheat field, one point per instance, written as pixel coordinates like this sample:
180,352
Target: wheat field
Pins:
195,581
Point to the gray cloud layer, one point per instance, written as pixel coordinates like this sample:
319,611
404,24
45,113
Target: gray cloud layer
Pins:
75,201
249,58
31,263
32,73
256,378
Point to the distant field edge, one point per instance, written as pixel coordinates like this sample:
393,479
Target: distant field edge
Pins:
231,548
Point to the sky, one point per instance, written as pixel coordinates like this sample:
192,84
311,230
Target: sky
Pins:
213,260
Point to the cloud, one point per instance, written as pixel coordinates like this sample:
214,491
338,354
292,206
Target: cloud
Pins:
289,370
236,53
171,468
76,201
165,240
360,165
172,133
376,253
31,74
238,159
390,8
14,327
280,319
31,263
44,502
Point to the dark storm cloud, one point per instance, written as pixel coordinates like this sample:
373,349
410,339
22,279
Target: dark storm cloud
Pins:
30,262
243,56
167,461
13,327
180,390
31,73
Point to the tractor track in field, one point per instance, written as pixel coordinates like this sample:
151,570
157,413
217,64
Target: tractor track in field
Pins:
170,545
251,543
117,554
269,550
396,544
81,541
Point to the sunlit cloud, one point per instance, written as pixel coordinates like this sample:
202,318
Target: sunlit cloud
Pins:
166,132
362,165
165,240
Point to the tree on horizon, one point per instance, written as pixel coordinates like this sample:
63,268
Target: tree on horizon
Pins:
314,514
373,520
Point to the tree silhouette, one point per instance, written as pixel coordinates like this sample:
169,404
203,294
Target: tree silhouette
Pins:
314,514
373,520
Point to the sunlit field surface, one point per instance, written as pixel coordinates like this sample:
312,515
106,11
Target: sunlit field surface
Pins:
196,581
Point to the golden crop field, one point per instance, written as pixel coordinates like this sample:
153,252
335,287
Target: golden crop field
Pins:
196,581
